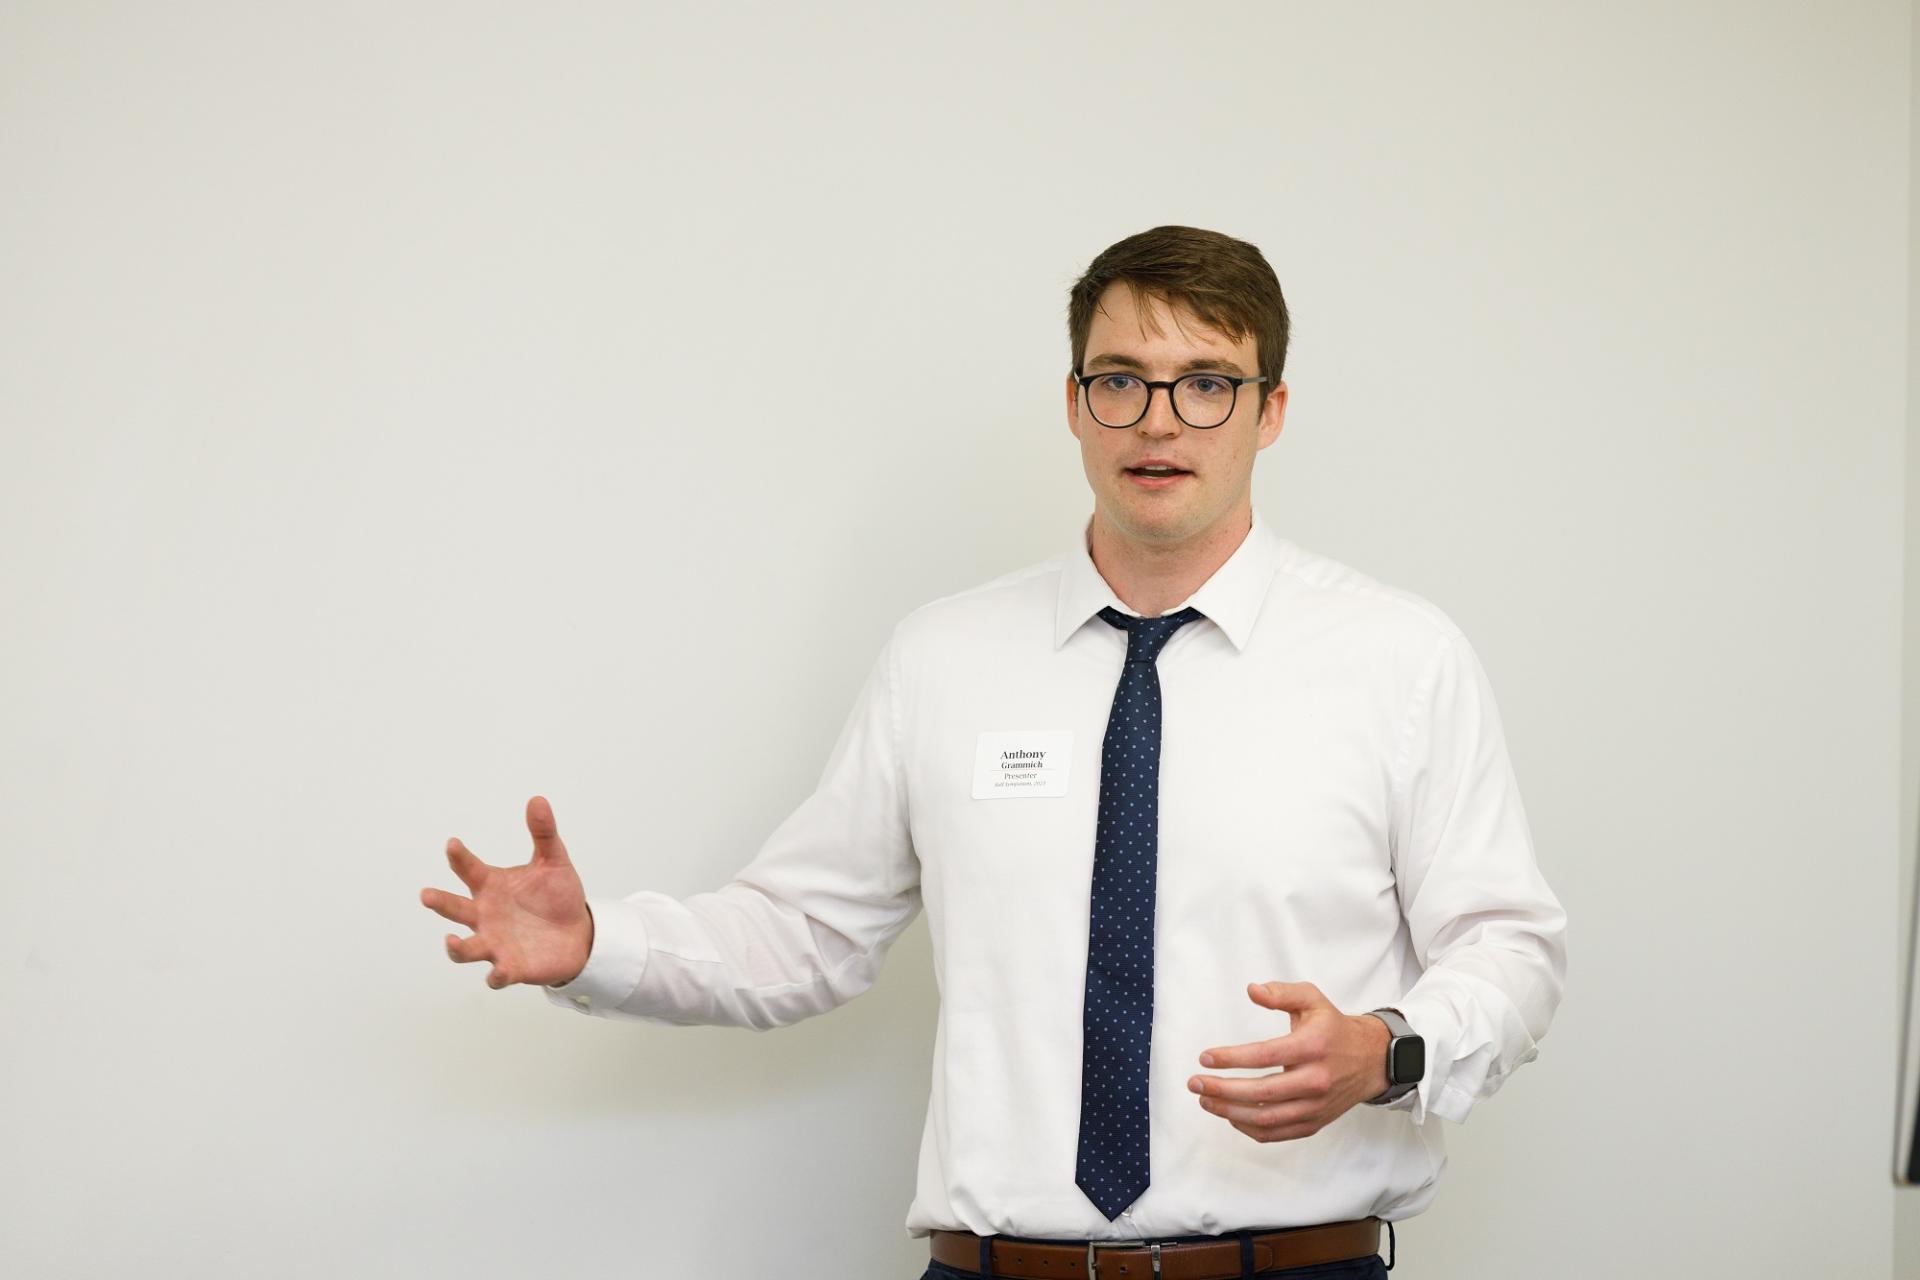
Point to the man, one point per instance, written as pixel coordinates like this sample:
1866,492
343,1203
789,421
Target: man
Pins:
1157,794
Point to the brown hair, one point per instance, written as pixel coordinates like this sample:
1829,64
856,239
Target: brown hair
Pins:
1225,282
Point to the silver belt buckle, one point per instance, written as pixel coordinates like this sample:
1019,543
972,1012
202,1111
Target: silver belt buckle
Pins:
1093,1266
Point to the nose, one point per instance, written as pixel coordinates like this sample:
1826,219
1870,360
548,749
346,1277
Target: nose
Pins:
1160,419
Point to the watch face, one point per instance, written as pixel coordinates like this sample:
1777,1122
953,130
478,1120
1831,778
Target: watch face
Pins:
1407,1060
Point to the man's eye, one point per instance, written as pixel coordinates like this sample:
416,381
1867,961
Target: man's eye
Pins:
1208,386
1117,381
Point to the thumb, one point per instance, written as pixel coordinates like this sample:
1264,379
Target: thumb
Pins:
1290,996
545,831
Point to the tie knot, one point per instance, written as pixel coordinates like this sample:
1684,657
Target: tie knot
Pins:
1147,636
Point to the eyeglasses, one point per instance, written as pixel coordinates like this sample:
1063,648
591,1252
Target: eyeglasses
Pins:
1201,400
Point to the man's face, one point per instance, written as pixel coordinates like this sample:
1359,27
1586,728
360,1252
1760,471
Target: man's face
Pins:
1160,344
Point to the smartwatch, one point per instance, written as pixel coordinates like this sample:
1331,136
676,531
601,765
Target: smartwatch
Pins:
1406,1057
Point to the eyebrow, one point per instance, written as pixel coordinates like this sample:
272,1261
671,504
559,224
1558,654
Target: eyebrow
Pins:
1220,363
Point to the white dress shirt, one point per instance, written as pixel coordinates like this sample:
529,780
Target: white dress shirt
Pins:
1336,806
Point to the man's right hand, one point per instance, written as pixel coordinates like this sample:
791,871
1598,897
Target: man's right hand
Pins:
531,921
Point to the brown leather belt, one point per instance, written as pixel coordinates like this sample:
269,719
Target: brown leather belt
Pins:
1020,1259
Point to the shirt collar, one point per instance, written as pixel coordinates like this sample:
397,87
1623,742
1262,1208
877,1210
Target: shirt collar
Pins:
1231,598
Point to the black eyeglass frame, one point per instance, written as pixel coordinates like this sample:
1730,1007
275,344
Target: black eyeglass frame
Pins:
1084,379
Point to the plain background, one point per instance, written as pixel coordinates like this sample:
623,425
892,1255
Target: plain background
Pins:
411,408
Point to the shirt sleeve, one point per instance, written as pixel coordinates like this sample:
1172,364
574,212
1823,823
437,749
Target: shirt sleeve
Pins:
1489,933
803,928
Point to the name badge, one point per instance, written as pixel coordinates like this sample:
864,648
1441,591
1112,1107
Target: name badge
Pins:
1011,764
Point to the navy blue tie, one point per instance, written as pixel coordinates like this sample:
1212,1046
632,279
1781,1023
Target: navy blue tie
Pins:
1117,1021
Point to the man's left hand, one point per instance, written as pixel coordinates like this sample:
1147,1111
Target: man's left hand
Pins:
1330,1061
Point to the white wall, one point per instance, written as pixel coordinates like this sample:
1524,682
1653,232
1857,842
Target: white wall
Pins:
1907,1201
410,409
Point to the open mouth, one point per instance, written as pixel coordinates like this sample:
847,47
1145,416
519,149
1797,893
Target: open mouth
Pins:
1158,472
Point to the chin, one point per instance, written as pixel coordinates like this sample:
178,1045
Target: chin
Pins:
1157,517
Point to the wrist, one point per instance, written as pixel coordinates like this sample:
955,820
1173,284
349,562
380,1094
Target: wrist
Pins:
1378,1037
585,952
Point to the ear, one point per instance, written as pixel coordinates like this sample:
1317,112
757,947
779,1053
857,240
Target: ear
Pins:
1273,413
1073,405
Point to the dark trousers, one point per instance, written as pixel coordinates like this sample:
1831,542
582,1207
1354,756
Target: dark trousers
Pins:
1371,1267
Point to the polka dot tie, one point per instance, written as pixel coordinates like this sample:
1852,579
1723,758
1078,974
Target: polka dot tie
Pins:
1117,1024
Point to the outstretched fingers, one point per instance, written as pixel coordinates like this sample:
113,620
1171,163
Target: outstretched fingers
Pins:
467,950
545,831
470,869
451,905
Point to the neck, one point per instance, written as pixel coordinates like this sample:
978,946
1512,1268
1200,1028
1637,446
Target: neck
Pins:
1153,577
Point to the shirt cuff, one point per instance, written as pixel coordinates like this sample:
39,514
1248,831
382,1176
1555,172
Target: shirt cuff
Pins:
1463,1044
615,963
